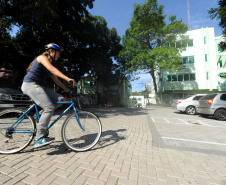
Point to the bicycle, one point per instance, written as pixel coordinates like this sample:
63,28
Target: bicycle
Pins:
80,131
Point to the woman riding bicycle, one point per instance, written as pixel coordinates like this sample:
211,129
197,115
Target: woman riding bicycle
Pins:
34,85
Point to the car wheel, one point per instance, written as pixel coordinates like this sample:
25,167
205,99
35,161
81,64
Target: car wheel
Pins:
220,114
190,110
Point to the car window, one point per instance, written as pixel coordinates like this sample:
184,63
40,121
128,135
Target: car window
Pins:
197,97
187,97
209,96
223,97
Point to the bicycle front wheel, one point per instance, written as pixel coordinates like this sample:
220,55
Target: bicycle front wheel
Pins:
84,137
15,137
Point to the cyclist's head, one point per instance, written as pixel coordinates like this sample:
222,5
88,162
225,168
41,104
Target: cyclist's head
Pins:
53,46
52,51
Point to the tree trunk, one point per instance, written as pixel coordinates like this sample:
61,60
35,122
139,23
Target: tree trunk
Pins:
152,72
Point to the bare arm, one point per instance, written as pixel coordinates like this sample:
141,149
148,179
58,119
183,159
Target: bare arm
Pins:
59,83
45,62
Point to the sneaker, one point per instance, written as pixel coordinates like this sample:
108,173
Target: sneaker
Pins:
42,142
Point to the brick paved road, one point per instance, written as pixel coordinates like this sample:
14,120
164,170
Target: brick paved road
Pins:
138,146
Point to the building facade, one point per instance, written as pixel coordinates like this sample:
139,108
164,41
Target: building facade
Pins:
203,66
94,93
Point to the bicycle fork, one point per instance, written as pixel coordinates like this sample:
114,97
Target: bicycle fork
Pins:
78,120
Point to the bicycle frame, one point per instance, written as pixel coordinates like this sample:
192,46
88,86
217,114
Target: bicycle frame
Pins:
34,106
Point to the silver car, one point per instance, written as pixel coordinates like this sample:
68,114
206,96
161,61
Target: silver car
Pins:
213,105
187,104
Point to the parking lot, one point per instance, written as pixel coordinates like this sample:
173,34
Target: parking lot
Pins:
192,132
138,146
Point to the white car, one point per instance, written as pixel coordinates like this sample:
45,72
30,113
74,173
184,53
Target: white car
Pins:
188,104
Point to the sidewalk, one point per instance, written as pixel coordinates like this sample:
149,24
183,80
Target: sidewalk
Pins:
128,153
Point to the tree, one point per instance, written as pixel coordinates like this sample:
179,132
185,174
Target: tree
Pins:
99,47
149,43
220,14
88,45
39,23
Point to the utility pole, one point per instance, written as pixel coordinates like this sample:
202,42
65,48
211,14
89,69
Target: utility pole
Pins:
189,23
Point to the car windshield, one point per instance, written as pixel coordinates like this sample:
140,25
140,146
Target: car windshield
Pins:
209,96
6,78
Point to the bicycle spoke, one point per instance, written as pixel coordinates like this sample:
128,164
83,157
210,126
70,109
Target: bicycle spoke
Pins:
81,139
15,139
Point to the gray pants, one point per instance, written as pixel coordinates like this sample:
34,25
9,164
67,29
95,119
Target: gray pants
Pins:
43,97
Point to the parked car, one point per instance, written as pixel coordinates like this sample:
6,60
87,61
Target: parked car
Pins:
11,96
188,104
213,105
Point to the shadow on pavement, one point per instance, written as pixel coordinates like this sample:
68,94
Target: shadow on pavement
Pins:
108,138
111,111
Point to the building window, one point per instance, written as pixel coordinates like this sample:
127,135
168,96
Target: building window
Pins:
168,78
192,77
220,63
90,83
222,75
191,60
178,44
190,43
207,75
206,57
185,60
181,77
87,83
93,83
188,60
204,40
174,78
219,49
186,77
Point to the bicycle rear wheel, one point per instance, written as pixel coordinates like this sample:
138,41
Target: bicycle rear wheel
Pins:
81,139
17,137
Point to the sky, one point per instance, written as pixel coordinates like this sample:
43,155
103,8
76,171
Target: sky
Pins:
118,14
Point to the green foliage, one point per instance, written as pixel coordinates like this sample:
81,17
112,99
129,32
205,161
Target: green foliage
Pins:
142,93
89,47
136,93
220,14
146,42
165,58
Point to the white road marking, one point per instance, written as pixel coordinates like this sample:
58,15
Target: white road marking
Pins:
167,120
195,141
187,122
184,122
